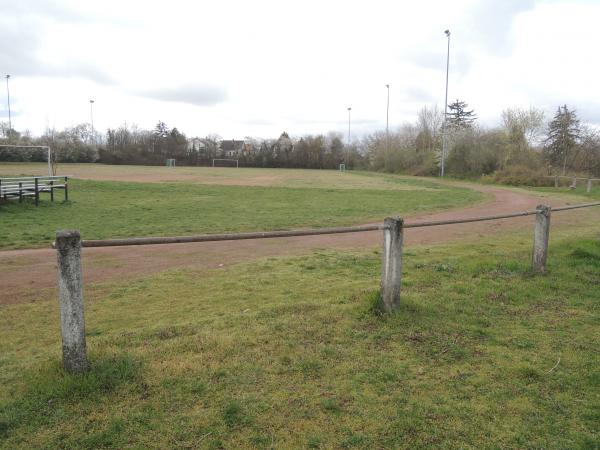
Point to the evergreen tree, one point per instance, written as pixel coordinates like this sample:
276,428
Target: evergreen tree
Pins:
564,134
459,117
161,129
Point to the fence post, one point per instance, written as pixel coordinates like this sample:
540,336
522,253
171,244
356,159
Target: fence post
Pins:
541,236
70,288
556,181
391,267
589,186
37,192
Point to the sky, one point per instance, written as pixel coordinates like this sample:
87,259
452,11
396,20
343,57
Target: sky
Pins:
257,68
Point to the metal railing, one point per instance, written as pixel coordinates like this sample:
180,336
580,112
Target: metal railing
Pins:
309,232
70,281
573,179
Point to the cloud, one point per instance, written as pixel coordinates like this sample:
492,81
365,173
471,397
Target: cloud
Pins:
259,122
14,111
432,57
193,94
361,121
426,58
490,23
122,54
40,9
20,50
418,94
487,26
587,112
65,13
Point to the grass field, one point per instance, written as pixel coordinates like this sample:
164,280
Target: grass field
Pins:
580,191
286,353
187,204
301,178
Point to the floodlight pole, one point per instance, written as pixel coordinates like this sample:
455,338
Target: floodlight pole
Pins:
387,119
8,98
348,148
444,140
92,119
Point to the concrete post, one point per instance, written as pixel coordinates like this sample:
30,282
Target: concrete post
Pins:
541,237
391,267
70,288
589,186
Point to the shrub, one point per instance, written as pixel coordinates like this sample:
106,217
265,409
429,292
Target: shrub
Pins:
519,175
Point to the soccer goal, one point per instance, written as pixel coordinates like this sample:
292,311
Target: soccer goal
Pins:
50,155
342,167
170,162
225,163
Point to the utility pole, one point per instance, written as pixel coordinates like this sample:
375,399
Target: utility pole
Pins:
444,130
387,119
92,120
8,97
348,148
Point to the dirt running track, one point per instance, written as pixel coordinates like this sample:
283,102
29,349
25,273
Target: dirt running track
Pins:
27,275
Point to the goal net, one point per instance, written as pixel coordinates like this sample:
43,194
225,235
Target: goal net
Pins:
33,153
170,162
225,163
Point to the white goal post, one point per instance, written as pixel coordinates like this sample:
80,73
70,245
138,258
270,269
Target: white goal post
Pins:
51,162
236,161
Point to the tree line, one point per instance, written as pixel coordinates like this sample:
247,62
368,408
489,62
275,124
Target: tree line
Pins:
523,147
133,145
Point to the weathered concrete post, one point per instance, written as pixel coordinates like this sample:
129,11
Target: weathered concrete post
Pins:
70,288
589,186
391,267
541,236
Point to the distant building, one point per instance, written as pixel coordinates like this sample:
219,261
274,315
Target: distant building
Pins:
232,148
195,145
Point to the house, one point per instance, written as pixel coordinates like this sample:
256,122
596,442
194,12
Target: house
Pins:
232,148
195,145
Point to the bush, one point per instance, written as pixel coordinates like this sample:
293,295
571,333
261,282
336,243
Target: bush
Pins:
519,175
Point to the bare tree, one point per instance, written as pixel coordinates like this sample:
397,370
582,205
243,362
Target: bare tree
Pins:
523,128
429,123
525,122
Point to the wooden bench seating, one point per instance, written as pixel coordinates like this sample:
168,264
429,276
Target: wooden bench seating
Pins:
23,187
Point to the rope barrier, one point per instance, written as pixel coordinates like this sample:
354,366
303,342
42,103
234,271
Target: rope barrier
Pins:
309,232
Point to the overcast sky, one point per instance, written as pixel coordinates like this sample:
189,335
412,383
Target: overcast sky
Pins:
257,68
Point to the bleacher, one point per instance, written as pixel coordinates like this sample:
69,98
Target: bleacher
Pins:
31,187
